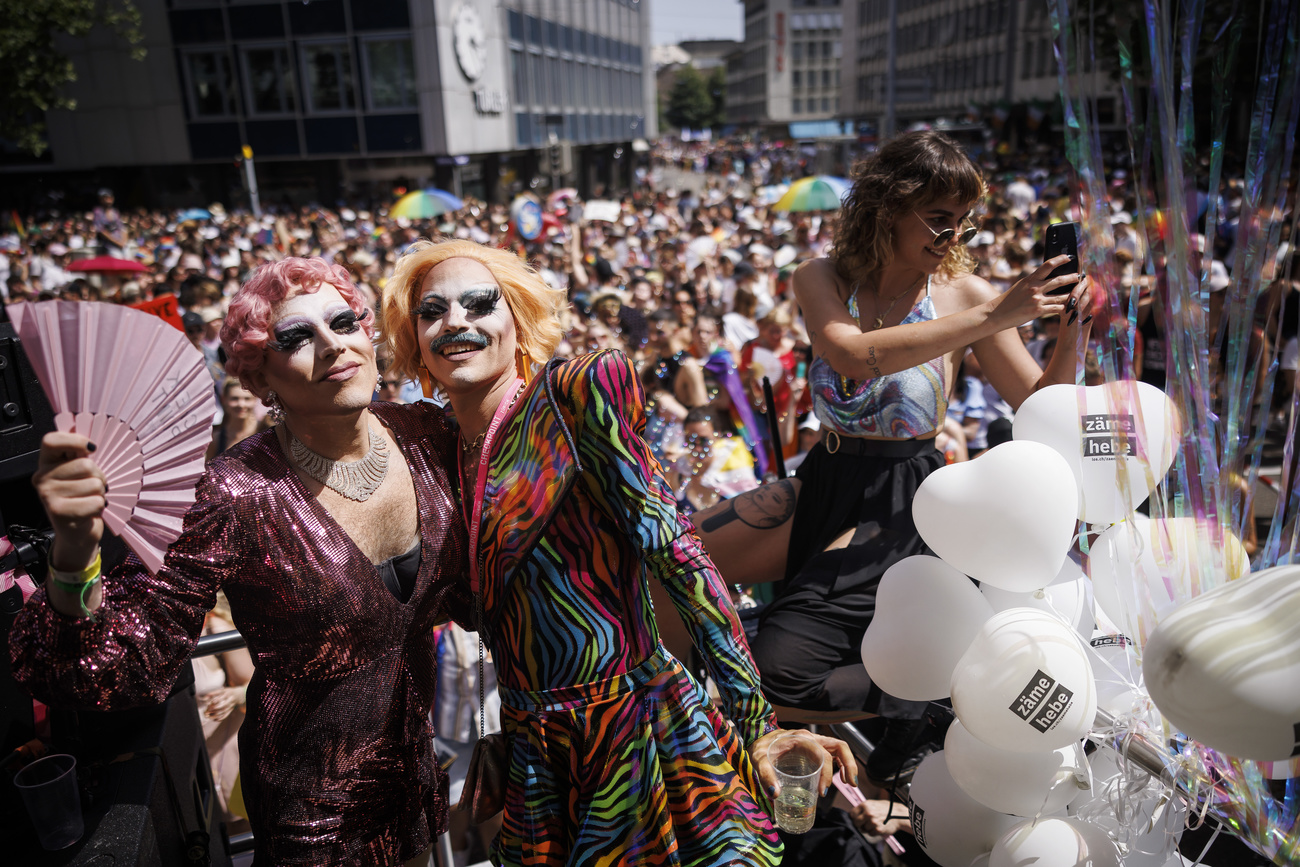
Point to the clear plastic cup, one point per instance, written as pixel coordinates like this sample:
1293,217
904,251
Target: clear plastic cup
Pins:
798,765
49,789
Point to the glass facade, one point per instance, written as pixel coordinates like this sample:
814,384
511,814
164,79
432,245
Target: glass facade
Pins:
584,86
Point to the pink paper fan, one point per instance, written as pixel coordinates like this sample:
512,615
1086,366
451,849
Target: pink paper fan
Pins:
142,393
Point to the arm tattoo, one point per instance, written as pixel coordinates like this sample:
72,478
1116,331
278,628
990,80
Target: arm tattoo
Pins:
763,508
871,360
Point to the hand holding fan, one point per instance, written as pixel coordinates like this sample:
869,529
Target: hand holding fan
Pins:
138,389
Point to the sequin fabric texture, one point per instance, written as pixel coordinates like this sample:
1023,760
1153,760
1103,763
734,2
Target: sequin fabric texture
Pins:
617,754
904,405
336,758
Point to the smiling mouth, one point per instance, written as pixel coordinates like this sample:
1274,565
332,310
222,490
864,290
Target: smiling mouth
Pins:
458,350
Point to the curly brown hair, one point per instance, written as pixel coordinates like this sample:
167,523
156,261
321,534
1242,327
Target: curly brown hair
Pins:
909,172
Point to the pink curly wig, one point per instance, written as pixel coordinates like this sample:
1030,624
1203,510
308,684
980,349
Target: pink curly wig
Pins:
248,321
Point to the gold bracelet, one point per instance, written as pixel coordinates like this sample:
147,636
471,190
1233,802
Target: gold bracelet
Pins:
77,579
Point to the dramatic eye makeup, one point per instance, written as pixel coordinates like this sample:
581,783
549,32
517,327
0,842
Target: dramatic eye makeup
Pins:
290,333
477,301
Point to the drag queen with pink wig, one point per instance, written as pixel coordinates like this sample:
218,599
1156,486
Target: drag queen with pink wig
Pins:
338,541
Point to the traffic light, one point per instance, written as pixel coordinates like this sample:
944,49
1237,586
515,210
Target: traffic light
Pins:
555,156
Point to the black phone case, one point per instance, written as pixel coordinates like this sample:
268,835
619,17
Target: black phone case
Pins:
1062,238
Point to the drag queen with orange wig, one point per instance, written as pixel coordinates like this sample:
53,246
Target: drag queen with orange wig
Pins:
616,754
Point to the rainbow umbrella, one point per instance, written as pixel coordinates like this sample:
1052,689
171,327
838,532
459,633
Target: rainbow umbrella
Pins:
816,193
426,203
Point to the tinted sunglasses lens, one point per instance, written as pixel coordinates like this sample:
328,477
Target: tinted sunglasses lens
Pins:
944,237
969,234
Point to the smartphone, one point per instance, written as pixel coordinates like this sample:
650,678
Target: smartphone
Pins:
1062,238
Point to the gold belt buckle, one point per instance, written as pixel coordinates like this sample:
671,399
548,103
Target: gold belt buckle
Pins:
832,449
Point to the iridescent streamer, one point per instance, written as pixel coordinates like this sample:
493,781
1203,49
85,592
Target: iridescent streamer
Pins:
1215,355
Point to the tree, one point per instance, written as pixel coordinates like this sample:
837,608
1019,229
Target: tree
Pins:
690,105
34,72
718,90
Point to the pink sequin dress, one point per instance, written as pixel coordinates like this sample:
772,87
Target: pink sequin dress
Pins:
335,751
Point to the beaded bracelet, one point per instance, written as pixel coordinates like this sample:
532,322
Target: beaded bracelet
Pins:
79,583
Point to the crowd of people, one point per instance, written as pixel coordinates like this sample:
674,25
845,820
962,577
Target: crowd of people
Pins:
763,342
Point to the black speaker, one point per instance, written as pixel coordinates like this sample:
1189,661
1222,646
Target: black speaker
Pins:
148,796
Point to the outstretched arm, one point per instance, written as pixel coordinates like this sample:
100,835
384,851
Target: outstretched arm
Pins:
860,355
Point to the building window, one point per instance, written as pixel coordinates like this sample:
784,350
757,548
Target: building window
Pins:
826,103
390,73
797,105
796,52
796,78
826,78
270,80
329,76
210,83
519,76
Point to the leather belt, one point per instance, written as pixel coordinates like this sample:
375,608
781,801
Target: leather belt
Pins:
838,443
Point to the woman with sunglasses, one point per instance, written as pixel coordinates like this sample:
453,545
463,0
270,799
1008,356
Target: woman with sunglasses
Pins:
890,313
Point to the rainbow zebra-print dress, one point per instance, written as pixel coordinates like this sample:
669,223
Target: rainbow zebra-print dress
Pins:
617,755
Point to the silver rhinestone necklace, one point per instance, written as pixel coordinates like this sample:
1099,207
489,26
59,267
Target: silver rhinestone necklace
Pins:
356,480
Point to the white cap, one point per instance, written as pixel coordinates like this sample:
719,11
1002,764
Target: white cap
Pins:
810,423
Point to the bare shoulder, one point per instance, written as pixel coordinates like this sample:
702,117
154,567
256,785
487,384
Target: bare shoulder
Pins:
816,276
963,291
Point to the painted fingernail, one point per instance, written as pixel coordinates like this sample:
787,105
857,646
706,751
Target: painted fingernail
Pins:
1087,319
771,790
90,447
1073,316
825,789
1069,305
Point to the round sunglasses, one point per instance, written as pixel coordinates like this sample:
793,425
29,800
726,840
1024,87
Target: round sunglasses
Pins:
947,235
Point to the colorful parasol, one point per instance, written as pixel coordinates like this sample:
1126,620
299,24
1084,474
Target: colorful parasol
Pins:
816,193
426,203
107,265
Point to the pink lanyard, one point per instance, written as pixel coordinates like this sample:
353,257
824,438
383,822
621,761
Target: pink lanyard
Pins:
480,479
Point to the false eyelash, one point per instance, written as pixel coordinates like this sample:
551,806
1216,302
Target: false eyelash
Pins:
483,305
290,340
429,311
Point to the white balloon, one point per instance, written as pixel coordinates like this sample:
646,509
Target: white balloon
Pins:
1224,668
951,826
1143,568
1022,784
1069,596
1006,518
1025,683
1055,843
1118,671
1118,439
926,615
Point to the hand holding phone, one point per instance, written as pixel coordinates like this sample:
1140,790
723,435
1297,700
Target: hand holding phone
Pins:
1062,238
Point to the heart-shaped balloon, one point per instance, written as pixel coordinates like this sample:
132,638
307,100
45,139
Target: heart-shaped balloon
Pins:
1055,843
1006,518
1022,784
1142,568
1069,597
952,827
1118,439
1224,668
926,615
1025,683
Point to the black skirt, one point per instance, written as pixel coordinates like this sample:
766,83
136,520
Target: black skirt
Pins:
809,637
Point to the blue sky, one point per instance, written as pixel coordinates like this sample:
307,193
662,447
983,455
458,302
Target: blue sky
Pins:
676,20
